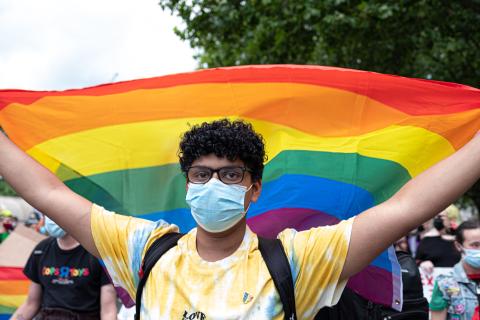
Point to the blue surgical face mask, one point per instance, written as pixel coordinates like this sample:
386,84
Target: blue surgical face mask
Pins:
472,257
53,229
216,206
42,230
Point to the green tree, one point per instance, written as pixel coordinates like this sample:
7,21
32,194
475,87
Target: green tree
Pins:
432,39
5,189
435,39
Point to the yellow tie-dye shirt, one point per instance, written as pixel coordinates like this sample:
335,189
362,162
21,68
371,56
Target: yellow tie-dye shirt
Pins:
184,286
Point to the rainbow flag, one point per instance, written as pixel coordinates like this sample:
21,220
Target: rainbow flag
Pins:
13,290
338,141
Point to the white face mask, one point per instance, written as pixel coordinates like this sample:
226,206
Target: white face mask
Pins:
216,206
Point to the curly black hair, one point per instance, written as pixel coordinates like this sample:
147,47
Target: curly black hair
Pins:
226,139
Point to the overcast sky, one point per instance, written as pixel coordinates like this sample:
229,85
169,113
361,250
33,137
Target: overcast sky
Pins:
60,44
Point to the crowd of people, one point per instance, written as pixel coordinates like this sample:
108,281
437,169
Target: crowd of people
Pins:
446,242
442,242
217,271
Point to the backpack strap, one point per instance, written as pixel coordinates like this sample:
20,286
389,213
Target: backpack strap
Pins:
153,254
277,263
272,252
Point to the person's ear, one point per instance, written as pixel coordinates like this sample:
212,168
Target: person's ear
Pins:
459,247
256,190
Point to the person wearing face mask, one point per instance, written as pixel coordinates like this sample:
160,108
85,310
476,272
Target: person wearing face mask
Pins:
437,248
455,295
216,271
67,282
7,223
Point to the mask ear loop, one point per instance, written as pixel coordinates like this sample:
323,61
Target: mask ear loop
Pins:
248,207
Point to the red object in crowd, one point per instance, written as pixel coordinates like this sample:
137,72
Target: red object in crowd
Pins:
475,277
476,314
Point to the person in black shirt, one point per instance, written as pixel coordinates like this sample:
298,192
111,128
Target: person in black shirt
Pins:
67,282
437,248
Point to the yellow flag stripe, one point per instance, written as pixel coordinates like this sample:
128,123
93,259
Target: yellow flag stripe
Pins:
152,143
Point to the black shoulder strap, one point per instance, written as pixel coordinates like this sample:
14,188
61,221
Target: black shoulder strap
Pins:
277,263
153,254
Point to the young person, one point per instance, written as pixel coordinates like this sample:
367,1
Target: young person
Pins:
455,295
67,282
216,271
437,248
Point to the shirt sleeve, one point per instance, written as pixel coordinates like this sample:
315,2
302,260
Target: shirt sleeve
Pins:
31,267
317,256
438,302
122,242
104,279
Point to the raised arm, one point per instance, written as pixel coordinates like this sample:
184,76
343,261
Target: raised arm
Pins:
44,191
417,201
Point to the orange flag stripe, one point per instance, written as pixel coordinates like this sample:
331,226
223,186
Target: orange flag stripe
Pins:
15,287
342,113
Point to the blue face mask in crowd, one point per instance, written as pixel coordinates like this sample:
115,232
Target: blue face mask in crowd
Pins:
42,230
53,229
216,206
472,257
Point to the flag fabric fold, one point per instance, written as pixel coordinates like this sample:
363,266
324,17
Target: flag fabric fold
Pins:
338,141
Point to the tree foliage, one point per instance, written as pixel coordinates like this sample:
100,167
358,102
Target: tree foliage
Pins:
432,39
435,39
5,189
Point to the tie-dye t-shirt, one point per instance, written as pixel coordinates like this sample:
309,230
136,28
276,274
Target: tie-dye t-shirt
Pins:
184,286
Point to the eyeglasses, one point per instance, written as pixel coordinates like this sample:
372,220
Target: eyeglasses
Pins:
228,175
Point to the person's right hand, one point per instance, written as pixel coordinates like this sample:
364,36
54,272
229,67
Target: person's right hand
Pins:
427,266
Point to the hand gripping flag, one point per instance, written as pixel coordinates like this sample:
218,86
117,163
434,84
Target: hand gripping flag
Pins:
338,142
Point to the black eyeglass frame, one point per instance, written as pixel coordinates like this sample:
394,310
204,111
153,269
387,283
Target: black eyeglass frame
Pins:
217,171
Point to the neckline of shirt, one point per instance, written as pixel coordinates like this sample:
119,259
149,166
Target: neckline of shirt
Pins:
190,248
66,251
